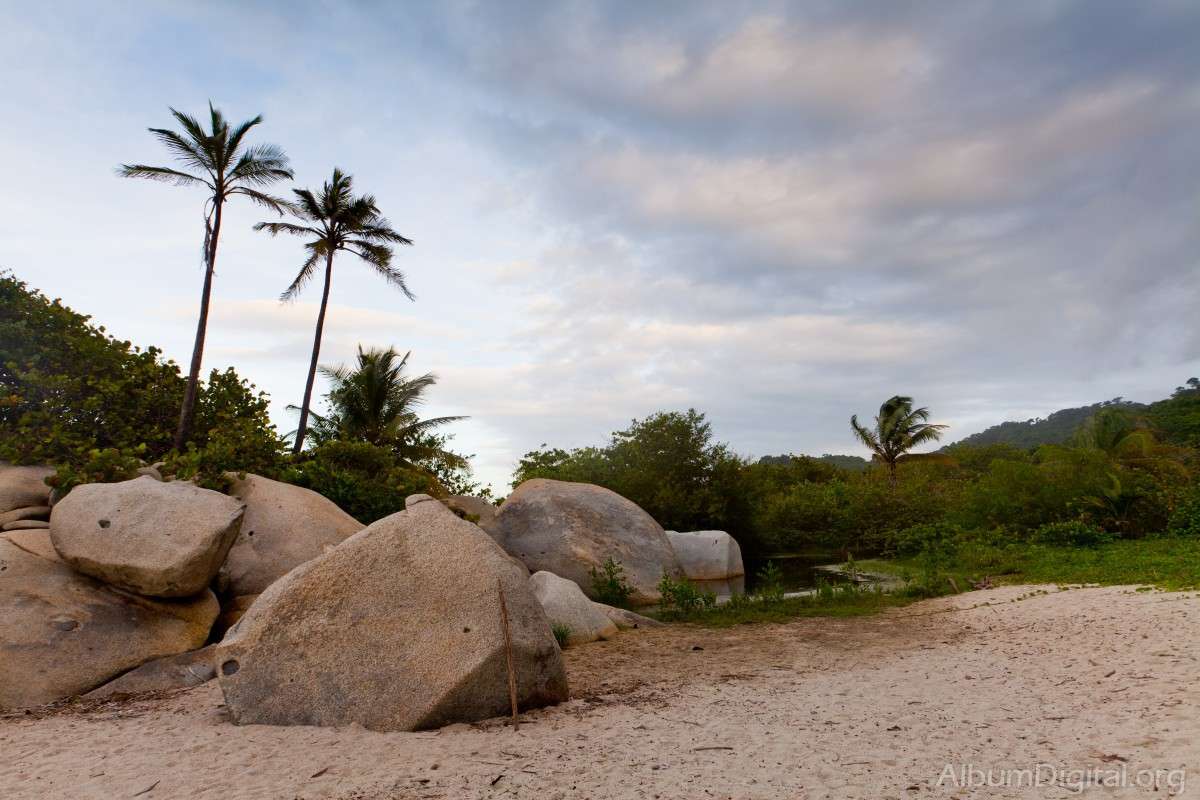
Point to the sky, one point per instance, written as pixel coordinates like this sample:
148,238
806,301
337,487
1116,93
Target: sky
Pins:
779,214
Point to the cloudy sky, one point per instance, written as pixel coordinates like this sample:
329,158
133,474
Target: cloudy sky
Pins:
779,214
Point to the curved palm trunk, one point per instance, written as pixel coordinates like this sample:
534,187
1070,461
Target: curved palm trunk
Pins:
188,412
302,429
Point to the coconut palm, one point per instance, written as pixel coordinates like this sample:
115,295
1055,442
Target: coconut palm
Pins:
337,221
375,402
219,161
898,429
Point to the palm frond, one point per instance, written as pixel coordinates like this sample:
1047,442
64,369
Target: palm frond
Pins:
305,273
261,165
162,174
276,228
193,154
276,204
239,133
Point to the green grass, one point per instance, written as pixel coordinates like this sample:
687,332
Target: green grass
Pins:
1165,563
829,601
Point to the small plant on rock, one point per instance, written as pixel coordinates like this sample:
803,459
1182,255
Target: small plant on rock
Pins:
562,634
609,584
681,597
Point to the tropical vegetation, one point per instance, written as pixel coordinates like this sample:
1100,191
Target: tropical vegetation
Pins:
337,221
221,162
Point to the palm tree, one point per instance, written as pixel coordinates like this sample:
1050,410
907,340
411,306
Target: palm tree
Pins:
898,429
219,161
376,402
339,221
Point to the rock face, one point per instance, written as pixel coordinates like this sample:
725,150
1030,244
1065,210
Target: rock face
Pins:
173,672
626,620
569,528
152,538
28,512
25,524
565,604
482,510
23,486
707,555
62,633
284,526
397,628
36,541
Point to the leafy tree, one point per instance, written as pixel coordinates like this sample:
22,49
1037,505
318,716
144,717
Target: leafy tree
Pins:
375,402
339,221
74,396
224,165
363,479
898,429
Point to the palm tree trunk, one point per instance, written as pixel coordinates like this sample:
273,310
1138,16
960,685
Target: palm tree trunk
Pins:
188,412
302,429
892,475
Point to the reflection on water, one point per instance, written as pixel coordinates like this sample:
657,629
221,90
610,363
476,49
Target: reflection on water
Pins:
797,572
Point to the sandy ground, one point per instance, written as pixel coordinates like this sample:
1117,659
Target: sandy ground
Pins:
1106,680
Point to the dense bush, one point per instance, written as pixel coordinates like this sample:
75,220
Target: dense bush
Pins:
363,479
73,396
1074,533
1185,521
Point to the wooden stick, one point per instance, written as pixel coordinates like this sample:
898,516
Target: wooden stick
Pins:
512,673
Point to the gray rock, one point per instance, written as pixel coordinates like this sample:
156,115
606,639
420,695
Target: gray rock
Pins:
35,541
25,524
172,672
484,513
565,604
21,487
153,538
397,628
62,633
150,472
707,555
625,619
284,526
569,528
28,512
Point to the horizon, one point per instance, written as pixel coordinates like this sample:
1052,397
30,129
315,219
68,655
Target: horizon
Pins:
779,219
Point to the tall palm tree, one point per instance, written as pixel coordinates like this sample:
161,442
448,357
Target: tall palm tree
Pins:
219,161
898,429
375,402
338,221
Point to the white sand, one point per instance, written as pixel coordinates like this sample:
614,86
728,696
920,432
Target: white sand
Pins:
856,708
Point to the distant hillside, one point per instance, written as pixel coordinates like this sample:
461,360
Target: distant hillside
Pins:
851,463
1054,429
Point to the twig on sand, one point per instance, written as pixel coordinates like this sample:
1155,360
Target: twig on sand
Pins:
512,673
148,788
712,747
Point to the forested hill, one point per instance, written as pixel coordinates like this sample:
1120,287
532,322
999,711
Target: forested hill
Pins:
852,463
1054,429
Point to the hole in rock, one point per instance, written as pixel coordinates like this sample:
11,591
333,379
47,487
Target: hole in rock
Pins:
230,667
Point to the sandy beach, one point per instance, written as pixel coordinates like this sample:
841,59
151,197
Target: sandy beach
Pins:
877,707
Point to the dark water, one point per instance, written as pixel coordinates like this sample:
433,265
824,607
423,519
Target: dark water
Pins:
799,572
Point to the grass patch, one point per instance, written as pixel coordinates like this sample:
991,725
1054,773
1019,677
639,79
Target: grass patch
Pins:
829,601
1164,563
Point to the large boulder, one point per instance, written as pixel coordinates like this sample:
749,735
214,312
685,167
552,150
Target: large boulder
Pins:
565,604
23,486
26,512
36,541
153,538
62,633
707,555
571,528
284,526
397,628
182,671
483,512
625,619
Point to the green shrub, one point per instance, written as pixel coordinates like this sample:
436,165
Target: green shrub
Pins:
101,466
609,584
562,634
362,479
1185,521
934,536
1072,533
770,584
681,597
